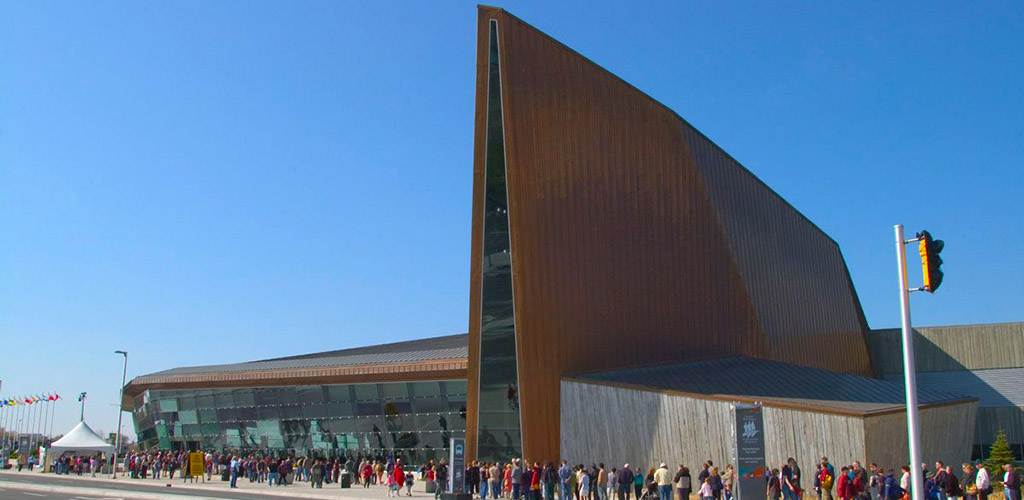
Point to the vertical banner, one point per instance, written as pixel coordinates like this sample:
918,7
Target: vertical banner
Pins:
748,431
457,466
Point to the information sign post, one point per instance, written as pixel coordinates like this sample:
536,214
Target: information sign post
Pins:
749,467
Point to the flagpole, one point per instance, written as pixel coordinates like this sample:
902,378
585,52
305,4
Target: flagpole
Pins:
21,419
5,421
52,414
17,424
39,431
46,417
28,424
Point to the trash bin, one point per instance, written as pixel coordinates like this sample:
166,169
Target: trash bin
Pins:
226,475
346,480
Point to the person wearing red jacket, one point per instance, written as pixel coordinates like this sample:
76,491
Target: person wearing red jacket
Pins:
399,475
845,487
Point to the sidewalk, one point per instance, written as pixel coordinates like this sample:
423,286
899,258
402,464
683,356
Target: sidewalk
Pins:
174,488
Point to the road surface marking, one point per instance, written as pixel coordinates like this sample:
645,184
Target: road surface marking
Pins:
33,494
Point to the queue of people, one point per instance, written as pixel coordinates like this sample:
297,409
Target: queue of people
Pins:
521,480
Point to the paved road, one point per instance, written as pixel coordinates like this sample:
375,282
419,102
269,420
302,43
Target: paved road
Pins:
11,493
9,489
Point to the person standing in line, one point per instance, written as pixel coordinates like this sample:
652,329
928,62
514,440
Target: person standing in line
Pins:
968,485
564,477
484,480
1011,482
682,482
861,481
940,479
527,486
584,485
952,485
774,491
791,480
625,481
716,483
983,482
601,489
536,479
234,471
844,486
905,480
826,479
663,479
441,476
508,480
613,484
494,474
316,475
638,482
705,490
728,481
517,478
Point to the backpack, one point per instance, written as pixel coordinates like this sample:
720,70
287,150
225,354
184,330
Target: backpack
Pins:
892,489
826,479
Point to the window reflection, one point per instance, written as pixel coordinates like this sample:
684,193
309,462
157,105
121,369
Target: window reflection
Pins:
498,435
308,419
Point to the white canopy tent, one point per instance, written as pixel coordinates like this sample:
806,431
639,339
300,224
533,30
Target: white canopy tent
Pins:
81,439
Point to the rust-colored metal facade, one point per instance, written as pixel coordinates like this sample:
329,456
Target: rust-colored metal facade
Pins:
634,240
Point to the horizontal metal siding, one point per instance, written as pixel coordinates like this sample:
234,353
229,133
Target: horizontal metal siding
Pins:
951,348
775,380
998,387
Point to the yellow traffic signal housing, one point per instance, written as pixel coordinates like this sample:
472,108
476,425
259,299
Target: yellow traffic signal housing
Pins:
930,261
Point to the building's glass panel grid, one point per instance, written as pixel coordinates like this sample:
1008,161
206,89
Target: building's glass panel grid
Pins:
499,435
414,420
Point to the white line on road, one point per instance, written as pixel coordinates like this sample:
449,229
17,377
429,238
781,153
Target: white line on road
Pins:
33,494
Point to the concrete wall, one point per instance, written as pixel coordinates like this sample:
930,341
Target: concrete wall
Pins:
616,425
945,435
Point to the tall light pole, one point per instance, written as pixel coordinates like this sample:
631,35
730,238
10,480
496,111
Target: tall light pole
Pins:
120,401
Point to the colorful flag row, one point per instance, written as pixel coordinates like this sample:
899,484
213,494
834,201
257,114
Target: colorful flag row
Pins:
29,400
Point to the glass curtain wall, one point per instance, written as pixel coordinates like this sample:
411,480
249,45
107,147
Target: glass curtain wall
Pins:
499,437
413,420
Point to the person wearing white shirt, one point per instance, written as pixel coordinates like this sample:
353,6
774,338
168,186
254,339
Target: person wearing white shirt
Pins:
983,483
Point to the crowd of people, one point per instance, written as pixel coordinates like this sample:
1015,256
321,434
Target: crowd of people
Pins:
520,480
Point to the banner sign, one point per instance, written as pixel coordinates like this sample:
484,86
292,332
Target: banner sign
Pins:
457,466
749,451
196,467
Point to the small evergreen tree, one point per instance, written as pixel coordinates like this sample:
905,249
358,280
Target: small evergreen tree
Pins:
999,454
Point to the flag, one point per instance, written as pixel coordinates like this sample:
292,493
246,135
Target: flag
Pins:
56,396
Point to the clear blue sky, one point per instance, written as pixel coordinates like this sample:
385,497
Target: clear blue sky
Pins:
208,182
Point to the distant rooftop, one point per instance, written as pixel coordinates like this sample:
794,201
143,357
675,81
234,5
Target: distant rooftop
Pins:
434,348
774,383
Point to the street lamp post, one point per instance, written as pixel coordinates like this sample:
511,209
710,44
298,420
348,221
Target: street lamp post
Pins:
120,413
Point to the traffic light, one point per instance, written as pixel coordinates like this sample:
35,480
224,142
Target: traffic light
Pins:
931,263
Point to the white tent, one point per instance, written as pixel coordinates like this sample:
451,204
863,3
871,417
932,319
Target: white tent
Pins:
81,439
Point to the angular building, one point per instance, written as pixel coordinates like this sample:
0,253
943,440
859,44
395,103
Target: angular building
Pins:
609,233
629,282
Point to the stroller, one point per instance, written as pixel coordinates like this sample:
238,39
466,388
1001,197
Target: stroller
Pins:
651,491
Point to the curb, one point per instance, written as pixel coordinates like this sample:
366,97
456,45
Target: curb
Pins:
175,492
102,492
